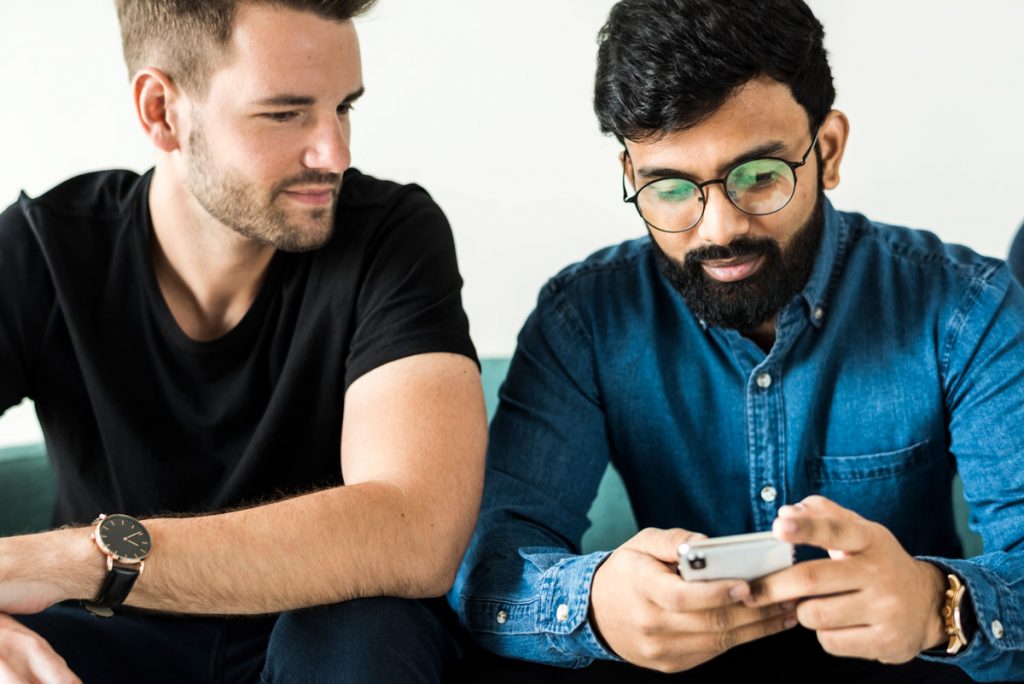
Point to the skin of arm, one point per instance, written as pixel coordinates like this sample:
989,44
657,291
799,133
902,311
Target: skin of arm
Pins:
413,442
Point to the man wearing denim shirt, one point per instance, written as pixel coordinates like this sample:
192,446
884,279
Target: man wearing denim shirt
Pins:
762,362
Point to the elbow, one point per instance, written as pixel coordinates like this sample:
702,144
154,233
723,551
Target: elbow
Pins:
439,582
437,576
440,562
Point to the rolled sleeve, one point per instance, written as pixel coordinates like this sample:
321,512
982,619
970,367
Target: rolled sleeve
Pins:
550,626
998,600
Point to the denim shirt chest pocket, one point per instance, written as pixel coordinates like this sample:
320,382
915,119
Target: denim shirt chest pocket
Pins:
889,487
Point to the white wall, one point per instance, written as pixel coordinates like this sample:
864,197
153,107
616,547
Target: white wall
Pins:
487,104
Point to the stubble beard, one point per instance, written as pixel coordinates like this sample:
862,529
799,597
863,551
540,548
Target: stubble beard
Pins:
239,204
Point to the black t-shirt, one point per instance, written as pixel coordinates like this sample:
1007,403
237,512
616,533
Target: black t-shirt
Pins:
139,418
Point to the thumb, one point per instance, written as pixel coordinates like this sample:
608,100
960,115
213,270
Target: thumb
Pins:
662,544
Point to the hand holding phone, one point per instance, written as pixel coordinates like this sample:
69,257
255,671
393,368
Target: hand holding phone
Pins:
739,556
647,616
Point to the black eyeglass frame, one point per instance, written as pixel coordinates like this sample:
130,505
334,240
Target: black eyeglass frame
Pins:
632,199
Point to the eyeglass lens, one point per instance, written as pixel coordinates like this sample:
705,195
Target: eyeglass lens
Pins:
760,186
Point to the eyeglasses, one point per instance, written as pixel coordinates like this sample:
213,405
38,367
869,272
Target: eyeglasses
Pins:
757,187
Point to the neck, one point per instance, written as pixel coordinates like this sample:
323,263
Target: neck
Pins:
208,274
763,335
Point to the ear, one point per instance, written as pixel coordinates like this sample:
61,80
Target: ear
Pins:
832,136
627,167
157,104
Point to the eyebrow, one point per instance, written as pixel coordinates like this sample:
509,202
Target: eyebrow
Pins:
291,100
768,149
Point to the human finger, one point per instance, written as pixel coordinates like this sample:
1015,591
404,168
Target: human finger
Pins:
719,642
49,668
833,612
662,544
671,592
803,580
850,642
722,619
831,531
9,676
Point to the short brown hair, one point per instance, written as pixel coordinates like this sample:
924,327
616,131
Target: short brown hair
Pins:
183,38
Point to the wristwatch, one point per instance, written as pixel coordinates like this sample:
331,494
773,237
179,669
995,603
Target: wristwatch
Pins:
957,613
126,543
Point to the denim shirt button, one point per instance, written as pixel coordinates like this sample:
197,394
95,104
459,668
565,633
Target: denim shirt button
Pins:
768,494
997,629
819,313
562,613
764,381
502,617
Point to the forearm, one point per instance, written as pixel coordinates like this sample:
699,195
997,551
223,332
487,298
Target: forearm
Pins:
369,539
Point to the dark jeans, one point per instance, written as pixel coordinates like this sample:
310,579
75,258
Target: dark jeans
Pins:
385,640
377,640
793,657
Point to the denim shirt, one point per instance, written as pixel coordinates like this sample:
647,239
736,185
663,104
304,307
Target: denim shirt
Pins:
900,363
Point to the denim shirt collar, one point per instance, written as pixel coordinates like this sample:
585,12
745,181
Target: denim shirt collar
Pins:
817,290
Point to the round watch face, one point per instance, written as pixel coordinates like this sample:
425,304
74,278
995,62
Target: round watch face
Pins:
124,537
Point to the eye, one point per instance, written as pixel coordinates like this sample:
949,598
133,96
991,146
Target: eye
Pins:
345,108
280,117
673,190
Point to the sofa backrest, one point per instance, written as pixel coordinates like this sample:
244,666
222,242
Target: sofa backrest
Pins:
27,490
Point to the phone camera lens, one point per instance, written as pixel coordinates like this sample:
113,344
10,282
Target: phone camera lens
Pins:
696,561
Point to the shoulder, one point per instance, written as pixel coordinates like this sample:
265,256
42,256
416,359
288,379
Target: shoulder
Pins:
364,193
915,252
609,265
611,286
100,195
372,212
929,281
83,210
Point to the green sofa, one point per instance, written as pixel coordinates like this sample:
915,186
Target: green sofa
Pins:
26,489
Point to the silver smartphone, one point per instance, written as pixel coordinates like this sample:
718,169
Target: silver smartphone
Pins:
740,556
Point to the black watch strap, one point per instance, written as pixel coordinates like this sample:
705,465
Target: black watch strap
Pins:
114,591
968,618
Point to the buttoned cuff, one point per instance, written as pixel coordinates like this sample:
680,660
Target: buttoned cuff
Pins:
999,622
565,606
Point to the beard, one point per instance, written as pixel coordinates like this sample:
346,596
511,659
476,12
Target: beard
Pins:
240,204
745,304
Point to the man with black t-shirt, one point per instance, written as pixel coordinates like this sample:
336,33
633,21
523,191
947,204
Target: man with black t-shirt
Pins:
214,348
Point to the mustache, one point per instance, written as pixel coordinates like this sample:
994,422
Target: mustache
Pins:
310,177
740,247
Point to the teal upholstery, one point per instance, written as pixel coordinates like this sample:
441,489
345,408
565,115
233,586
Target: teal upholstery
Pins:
26,489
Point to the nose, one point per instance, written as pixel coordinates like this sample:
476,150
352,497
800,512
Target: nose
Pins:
722,221
328,149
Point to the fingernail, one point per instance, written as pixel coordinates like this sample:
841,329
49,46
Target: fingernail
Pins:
739,591
798,507
789,623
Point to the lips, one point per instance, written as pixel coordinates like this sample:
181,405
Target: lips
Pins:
732,270
311,196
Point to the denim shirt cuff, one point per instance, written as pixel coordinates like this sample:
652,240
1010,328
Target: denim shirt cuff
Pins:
564,608
999,625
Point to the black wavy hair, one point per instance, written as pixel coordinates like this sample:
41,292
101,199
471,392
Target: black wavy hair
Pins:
666,65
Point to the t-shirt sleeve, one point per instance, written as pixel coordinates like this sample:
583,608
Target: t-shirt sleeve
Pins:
410,300
25,301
